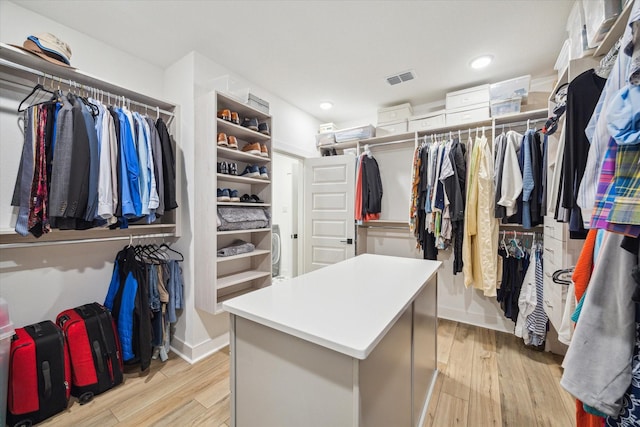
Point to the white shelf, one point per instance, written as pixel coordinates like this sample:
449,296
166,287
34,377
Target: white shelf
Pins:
240,132
239,278
234,178
257,252
253,230
242,204
231,154
244,110
522,116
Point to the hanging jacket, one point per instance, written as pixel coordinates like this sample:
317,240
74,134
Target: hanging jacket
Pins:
371,186
168,167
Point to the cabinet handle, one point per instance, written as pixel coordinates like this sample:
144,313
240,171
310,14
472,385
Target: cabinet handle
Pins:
348,241
549,250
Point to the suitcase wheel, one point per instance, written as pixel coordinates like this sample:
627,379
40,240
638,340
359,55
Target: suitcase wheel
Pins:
85,397
23,423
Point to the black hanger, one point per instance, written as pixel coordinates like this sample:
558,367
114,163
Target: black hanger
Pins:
167,247
560,276
35,89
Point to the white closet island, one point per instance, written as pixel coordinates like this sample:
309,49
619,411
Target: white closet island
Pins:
351,344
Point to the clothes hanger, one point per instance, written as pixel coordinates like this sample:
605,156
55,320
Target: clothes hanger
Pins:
167,247
36,88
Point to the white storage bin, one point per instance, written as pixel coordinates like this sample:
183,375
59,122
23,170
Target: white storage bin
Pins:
467,98
506,107
325,138
6,332
395,113
428,121
359,132
327,127
599,16
577,32
462,116
392,128
510,89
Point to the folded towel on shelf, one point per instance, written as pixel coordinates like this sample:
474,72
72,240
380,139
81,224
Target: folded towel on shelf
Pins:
236,248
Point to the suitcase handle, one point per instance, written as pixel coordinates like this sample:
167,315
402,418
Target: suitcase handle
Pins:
98,352
46,375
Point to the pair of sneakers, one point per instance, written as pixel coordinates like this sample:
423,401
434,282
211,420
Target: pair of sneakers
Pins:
228,168
229,116
257,149
252,123
254,171
227,141
228,195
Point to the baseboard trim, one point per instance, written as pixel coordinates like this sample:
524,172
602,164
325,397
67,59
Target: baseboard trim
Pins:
193,354
476,319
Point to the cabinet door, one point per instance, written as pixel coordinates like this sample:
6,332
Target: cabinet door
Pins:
328,208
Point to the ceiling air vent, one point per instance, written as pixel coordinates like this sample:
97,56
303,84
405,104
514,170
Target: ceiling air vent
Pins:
400,77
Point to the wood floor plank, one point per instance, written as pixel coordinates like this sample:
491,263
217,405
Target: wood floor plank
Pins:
457,380
452,412
89,419
484,402
217,415
446,332
216,392
515,402
182,416
546,392
178,390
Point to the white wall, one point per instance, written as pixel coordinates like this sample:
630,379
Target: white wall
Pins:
40,282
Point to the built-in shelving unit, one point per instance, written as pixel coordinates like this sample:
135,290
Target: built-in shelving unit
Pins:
220,278
23,70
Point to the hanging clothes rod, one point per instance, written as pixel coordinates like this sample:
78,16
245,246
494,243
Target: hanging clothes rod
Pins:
80,86
401,141
98,239
522,123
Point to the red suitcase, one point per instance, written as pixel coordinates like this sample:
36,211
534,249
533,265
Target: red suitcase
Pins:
94,350
39,374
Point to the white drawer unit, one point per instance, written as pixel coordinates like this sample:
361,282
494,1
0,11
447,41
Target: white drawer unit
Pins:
391,128
459,117
432,120
467,97
394,114
555,229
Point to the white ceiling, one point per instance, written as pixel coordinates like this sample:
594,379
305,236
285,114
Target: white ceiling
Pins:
341,51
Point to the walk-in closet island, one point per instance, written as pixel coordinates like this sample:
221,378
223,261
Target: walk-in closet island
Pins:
351,344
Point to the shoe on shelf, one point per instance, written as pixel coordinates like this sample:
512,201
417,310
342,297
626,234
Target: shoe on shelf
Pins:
246,199
222,140
251,171
223,167
232,168
253,148
264,128
235,118
264,151
264,173
233,196
256,199
223,195
225,115
250,123
233,142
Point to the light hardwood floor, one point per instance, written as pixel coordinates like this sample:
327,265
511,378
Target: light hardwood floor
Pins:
486,378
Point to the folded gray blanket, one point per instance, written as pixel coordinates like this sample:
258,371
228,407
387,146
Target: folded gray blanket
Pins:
243,218
236,248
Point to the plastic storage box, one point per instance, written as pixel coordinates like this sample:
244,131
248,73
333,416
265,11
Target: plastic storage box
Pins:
359,132
6,332
506,107
510,89
325,138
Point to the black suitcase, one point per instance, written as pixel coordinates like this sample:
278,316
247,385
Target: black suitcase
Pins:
94,350
39,374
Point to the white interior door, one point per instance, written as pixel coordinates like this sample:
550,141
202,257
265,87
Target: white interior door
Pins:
328,211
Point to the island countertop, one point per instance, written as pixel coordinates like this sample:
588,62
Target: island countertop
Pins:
347,307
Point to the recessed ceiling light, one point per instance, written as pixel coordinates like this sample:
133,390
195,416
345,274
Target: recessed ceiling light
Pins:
481,62
326,105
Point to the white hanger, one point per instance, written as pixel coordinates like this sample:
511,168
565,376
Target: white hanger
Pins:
367,151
